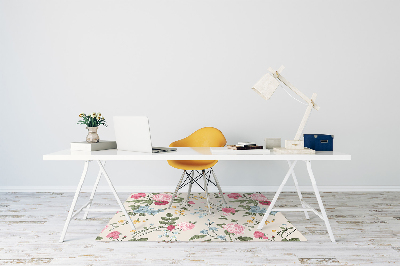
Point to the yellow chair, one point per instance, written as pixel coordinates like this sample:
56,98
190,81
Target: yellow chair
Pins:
204,137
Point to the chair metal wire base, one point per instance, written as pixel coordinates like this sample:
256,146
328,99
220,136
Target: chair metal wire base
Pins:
196,176
189,178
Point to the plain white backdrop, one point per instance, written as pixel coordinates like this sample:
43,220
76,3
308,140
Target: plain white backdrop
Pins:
191,64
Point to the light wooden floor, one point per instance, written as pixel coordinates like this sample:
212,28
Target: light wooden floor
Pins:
366,226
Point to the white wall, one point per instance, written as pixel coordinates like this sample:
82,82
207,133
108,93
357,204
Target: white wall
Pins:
190,64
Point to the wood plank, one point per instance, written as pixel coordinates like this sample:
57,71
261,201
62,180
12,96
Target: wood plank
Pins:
366,226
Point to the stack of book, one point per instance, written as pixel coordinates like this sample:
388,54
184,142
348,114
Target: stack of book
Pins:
245,146
98,146
240,148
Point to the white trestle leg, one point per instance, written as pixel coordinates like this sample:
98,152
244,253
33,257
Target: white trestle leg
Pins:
71,210
206,190
93,192
190,185
116,195
305,207
260,226
299,192
176,189
321,205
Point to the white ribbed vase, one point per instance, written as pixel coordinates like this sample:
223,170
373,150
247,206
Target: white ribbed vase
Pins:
92,136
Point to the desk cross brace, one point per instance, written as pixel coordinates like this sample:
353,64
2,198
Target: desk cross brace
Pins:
306,206
309,208
86,207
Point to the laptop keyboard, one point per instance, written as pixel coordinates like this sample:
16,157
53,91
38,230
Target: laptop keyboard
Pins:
162,149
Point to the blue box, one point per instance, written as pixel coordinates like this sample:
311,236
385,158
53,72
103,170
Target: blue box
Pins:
318,142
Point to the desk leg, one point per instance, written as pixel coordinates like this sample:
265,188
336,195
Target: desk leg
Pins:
299,192
93,192
260,226
116,195
321,205
71,210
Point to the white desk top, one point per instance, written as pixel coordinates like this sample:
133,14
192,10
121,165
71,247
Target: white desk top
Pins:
184,153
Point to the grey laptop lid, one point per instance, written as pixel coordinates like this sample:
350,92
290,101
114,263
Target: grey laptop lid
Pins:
132,133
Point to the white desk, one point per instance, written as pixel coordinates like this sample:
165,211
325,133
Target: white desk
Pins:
194,154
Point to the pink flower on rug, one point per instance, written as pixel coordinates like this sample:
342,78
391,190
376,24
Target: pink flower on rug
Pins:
191,202
104,228
171,227
184,226
138,195
267,202
258,234
259,197
228,210
161,202
236,229
234,196
162,197
113,235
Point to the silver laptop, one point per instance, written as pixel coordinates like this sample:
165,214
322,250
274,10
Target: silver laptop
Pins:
133,134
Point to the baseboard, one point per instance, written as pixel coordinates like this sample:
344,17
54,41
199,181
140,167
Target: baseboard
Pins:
132,189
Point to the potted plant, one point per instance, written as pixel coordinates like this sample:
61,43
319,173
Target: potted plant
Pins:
92,123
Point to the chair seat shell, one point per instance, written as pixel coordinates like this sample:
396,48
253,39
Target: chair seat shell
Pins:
204,137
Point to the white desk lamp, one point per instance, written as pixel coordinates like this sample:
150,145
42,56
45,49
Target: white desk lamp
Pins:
266,86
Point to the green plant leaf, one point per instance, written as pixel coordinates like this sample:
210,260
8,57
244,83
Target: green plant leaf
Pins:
197,237
245,238
178,200
140,239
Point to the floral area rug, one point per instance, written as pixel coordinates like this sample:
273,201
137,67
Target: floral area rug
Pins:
191,221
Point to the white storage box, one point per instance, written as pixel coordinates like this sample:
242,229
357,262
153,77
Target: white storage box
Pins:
294,144
271,143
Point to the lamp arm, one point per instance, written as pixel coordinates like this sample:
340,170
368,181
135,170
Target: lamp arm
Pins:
311,102
293,88
305,117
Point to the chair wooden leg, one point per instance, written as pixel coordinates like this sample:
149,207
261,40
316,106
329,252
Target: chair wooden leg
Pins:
218,186
176,189
190,185
206,190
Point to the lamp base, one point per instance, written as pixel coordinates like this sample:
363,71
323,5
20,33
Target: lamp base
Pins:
293,151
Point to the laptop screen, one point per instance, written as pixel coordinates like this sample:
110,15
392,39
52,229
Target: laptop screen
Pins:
132,133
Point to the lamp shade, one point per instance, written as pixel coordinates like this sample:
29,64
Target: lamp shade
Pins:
266,86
